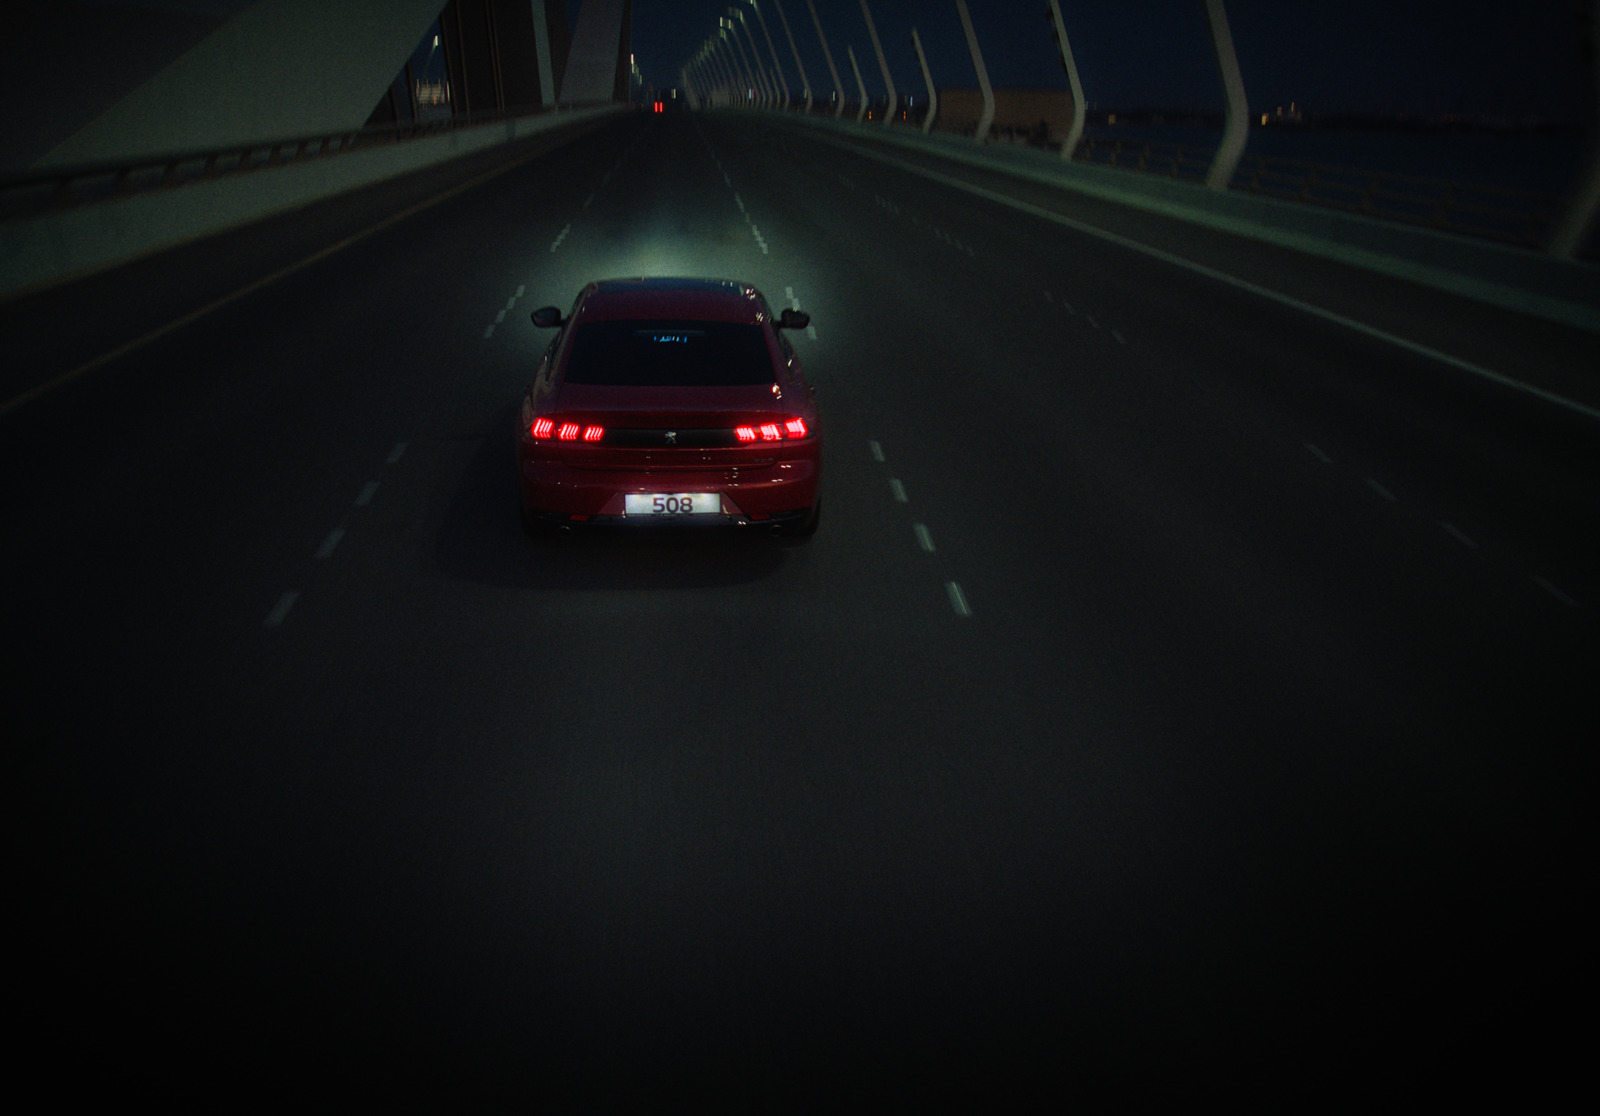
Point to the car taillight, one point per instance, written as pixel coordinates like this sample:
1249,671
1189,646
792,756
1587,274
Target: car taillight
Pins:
544,428
771,431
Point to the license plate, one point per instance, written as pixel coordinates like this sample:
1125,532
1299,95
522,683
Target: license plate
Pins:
672,503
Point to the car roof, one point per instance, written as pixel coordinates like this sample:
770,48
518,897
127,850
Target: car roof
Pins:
706,300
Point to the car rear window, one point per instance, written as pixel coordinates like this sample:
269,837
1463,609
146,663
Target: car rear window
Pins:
669,354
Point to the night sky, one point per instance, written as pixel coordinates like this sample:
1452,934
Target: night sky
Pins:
1390,57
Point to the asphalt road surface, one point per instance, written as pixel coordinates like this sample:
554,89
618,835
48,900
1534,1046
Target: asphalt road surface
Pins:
1181,685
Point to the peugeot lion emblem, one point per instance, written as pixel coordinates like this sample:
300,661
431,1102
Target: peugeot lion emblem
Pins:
672,437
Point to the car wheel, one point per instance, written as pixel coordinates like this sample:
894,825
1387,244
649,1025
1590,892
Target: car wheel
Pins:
807,526
537,529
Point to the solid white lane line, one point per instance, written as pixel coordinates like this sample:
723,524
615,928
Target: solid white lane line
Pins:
520,289
1121,340
1242,284
499,317
1554,592
877,450
1318,454
488,331
1458,535
281,609
368,491
924,539
899,490
330,542
394,454
958,599
1382,491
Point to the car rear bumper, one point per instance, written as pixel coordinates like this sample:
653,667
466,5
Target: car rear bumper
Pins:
776,493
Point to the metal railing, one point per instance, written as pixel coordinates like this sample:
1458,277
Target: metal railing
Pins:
1169,159
1520,217
40,192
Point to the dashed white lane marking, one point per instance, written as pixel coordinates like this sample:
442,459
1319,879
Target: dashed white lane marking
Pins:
811,332
562,235
899,490
924,539
605,178
395,454
1121,340
1067,306
330,542
499,317
281,609
1554,592
974,255
877,451
788,292
512,302
368,491
1456,533
488,331
1382,491
1318,454
738,201
1047,297
1091,321
726,180
520,289
588,201
958,599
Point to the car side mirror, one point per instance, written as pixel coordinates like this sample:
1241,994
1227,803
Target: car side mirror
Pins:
546,317
793,319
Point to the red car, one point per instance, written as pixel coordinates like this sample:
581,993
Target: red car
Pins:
670,401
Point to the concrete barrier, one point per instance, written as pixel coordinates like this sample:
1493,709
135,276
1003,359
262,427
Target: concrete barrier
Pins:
1516,279
44,250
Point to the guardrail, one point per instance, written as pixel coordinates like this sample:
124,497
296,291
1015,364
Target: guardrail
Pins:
67,187
1520,217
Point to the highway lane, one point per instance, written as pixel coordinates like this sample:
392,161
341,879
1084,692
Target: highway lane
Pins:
1234,760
